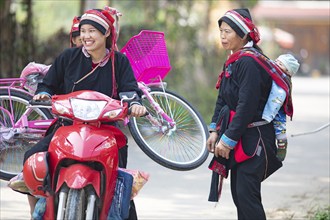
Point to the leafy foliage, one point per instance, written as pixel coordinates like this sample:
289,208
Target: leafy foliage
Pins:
321,214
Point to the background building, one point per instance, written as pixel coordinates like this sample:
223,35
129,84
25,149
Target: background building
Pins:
301,28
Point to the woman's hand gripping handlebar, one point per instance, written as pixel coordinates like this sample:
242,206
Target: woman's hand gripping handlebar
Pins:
135,109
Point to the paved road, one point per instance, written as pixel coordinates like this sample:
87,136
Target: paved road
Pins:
302,185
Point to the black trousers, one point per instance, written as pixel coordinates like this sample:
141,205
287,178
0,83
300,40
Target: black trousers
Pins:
246,181
43,145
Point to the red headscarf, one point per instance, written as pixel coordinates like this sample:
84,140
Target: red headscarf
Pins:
74,29
240,21
103,21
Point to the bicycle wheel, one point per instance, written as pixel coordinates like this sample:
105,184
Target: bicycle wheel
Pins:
12,148
182,147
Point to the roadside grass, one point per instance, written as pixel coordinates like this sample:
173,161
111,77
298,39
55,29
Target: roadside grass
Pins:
319,213
313,213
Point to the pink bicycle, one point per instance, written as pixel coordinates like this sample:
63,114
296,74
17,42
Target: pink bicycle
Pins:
173,134
20,127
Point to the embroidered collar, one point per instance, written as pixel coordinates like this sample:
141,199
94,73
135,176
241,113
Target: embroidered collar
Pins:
103,62
249,44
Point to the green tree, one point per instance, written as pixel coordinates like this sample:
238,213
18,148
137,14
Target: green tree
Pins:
17,44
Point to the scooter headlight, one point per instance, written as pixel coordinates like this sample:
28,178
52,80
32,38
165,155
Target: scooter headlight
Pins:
87,110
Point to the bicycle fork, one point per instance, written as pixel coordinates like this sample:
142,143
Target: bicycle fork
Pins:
171,127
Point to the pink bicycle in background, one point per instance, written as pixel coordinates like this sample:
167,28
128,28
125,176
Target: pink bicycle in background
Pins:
20,127
173,134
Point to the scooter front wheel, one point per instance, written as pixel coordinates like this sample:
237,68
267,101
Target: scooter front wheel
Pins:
178,147
75,205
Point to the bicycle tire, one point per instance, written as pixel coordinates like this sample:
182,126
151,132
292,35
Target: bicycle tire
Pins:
12,152
181,149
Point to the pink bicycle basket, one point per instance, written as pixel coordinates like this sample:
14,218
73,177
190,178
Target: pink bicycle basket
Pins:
148,56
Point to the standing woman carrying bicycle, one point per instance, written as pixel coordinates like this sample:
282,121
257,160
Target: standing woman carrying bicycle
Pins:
95,66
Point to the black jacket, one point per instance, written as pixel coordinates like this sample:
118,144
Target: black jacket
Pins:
246,92
72,65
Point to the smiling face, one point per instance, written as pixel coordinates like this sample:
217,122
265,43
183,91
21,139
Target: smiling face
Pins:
229,39
92,39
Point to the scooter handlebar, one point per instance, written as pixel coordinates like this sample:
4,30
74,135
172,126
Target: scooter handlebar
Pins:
40,103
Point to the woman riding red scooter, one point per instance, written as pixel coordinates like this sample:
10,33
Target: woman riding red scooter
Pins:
94,66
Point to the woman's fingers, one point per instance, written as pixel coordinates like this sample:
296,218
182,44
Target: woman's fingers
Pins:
221,151
41,97
210,146
138,110
211,141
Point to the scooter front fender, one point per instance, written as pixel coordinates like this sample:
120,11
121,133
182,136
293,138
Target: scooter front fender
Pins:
77,176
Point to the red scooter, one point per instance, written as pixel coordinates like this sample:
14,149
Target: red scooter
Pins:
78,173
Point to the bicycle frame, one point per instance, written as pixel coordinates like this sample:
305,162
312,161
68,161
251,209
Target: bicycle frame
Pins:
145,89
12,84
23,125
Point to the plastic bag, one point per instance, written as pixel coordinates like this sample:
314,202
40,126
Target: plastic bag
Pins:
139,179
